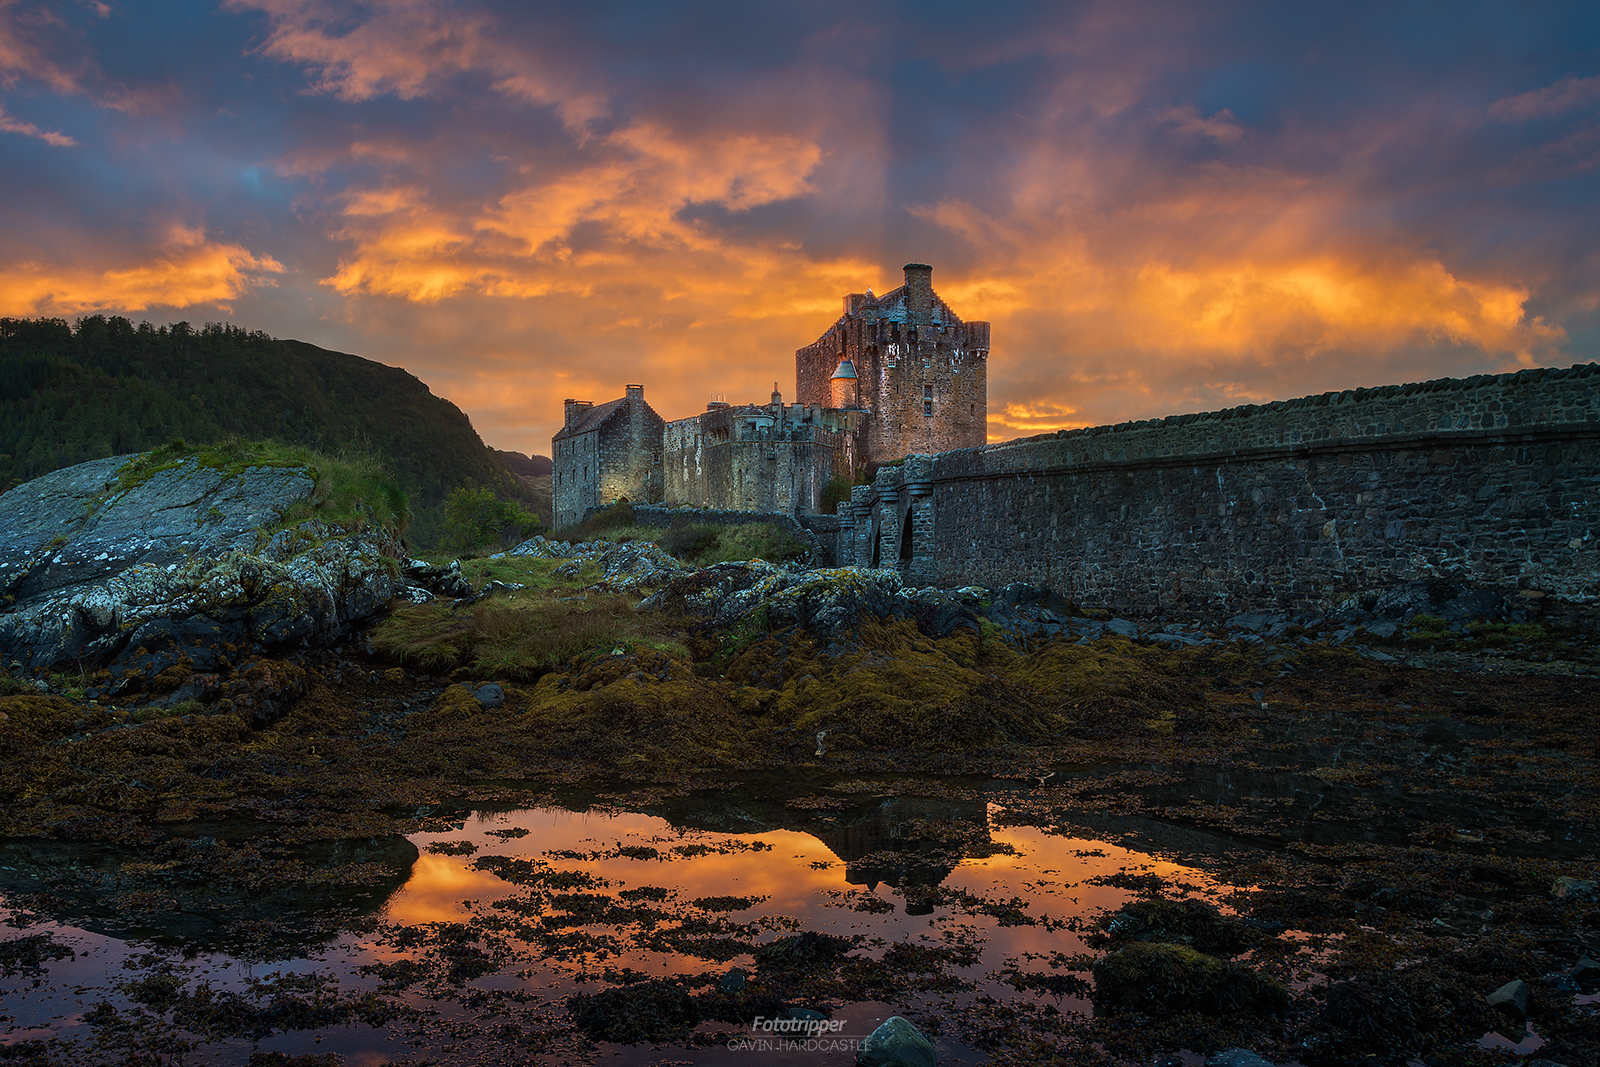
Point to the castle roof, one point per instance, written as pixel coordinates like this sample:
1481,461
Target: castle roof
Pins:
847,369
592,419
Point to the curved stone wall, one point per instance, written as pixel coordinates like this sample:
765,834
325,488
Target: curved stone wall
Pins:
1297,504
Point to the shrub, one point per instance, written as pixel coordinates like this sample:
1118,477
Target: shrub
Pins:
607,519
836,492
689,540
762,540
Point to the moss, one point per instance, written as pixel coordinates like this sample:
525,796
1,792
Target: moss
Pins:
1155,977
350,491
633,704
1193,923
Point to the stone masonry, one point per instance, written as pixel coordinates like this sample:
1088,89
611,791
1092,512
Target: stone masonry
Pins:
1297,504
604,453
894,374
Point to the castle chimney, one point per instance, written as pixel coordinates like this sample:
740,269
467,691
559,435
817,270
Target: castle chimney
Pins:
576,408
636,428
919,293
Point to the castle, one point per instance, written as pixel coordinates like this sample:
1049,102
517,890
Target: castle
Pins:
896,374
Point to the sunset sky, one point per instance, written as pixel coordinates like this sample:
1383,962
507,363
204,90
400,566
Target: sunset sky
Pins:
1161,207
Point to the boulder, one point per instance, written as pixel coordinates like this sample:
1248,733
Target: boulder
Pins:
830,602
1457,602
897,1044
1510,1000
1569,888
104,564
637,564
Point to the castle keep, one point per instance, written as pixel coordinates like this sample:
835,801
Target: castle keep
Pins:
1297,504
895,374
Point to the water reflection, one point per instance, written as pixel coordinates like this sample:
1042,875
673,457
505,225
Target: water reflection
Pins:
526,907
201,892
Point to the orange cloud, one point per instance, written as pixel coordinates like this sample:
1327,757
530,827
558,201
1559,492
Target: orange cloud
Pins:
1565,95
28,129
189,270
410,246
411,48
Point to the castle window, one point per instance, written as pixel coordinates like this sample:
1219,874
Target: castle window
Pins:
927,407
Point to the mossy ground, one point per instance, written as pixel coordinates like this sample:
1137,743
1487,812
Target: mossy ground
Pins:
1456,898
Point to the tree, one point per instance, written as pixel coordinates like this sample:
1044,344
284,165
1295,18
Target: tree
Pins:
475,517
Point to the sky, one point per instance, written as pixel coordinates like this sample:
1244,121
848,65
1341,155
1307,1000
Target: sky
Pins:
1161,207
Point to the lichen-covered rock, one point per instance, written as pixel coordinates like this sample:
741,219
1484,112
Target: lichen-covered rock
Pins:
175,569
638,564
540,548
830,603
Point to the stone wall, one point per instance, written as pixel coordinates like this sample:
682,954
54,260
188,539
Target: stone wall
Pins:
1297,504
575,464
758,459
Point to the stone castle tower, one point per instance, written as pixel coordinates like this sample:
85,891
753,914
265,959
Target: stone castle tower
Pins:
896,374
905,359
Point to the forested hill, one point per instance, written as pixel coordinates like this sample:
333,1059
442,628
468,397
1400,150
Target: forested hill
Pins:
104,387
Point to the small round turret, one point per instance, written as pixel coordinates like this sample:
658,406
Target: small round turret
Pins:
845,386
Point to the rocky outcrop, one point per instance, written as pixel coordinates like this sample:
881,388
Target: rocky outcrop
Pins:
106,563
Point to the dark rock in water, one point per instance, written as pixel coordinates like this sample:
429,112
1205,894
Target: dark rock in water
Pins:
1510,1000
803,1014
1148,977
490,696
644,1011
1586,972
1178,922
803,953
175,572
733,981
897,1044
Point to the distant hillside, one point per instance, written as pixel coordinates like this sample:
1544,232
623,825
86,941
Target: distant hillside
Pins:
526,466
103,387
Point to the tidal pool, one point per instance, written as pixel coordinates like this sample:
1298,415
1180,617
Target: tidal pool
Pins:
950,910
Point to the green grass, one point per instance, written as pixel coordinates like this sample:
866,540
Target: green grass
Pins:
520,635
1508,633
